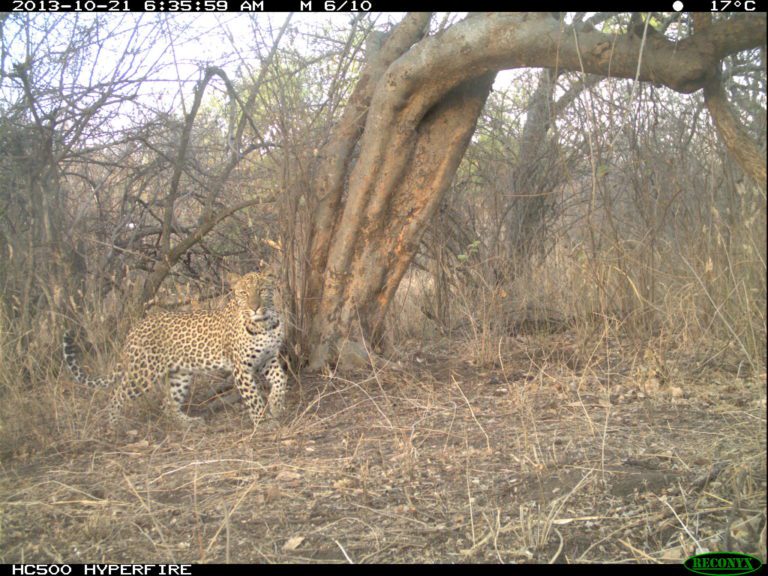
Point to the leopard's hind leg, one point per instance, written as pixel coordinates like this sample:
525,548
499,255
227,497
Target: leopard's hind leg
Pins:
131,387
178,392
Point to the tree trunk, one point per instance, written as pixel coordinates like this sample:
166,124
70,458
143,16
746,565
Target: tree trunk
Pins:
533,177
382,223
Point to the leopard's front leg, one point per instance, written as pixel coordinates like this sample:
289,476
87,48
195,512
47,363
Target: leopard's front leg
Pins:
249,390
275,374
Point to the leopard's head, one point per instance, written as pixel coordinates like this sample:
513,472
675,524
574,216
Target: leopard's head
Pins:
253,291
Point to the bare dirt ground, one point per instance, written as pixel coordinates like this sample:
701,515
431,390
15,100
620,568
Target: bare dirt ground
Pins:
429,459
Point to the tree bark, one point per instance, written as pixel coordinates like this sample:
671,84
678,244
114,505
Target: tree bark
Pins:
335,157
740,145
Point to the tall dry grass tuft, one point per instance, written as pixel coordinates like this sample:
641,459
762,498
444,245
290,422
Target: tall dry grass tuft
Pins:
692,283
42,408
33,411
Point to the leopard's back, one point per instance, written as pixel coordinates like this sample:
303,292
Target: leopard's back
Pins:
199,340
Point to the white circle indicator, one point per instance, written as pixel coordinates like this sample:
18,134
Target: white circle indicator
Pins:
677,5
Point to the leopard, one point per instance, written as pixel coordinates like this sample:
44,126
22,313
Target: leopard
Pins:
243,335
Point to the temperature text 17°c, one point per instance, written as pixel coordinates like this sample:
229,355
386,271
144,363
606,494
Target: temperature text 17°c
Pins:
734,5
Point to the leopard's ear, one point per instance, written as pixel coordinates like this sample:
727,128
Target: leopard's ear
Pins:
232,278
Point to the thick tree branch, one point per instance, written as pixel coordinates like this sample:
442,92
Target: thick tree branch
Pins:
740,145
503,41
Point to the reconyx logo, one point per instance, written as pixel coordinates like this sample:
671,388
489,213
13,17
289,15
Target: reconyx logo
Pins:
722,563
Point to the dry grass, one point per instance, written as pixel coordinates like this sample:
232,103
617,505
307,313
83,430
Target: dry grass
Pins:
435,460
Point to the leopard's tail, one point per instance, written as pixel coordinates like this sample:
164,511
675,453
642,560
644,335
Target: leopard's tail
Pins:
70,357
